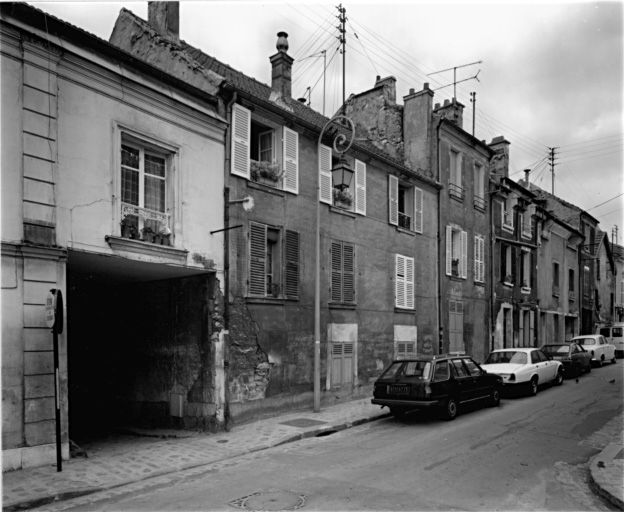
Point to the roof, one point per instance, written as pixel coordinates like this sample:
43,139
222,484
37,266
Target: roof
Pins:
547,196
130,28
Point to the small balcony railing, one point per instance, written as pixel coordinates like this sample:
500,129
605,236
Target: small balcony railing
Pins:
571,296
479,203
456,191
405,221
144,224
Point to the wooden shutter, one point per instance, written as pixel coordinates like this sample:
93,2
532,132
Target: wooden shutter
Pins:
393,200
291,273
475,268
399,278
360,187
336,272
290,146
479,259
418,210
409,283
348,264
325,176
257,258
342,363
449,250
241,133
464,254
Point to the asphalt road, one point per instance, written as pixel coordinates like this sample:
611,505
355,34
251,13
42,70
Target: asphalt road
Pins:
528,454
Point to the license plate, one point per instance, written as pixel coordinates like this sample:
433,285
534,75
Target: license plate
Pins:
398,389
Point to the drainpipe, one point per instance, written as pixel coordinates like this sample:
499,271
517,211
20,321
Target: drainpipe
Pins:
492,286
439,274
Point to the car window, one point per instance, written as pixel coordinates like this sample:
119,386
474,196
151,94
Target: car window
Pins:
392,370
460,370
472,367
575,349
534,357
605,331
507,356
556,349
417,369
601,340
586,341
441,371
541,355
617,332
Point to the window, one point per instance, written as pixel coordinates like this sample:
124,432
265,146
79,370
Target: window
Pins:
441,372
256,152
479,258
555,279
455,175
526,327
526,222
405,204
586,281
404,282
271,273
473,369
456,325
342,363
479,187
571,284
342,272
144,191
456,252
507,264
460,369
525,270
507,214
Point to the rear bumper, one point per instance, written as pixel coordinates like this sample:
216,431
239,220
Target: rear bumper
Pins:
414,404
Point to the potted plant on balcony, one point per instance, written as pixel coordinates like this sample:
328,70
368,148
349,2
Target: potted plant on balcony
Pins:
129,229
148,234
267,173
342,198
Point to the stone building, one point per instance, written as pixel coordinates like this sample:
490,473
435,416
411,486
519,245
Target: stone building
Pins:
378,238
618,257
107,163
605,278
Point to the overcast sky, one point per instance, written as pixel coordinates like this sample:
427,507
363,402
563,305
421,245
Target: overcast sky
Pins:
551,74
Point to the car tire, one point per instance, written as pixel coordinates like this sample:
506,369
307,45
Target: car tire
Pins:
559,378
495,398
602,360
613,361
449,411
533,386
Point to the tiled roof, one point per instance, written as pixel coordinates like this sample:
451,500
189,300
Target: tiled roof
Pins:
542,194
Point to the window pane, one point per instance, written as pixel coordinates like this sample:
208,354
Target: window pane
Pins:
130,157
129,186
155,165
154,193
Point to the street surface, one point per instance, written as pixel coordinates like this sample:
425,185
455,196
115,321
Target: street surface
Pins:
528,454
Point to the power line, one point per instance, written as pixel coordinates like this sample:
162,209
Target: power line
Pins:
605,202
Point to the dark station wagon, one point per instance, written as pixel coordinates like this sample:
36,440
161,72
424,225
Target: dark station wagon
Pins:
442,381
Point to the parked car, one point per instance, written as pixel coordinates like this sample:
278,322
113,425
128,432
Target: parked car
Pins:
574,357
614,334
525,368
442,382
597,346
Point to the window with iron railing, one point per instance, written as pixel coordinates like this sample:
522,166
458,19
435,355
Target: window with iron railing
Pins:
456,191
479,203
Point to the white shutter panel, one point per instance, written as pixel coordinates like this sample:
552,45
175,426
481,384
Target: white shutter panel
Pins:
464,254
418,210
360,187
290,146
475,268
449,253
409,283
325,176
399,286
482,259
393,199
241,133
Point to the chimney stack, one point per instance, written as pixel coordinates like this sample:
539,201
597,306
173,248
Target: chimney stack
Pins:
417,127
281,68
499,164
164,17
526,177
452,110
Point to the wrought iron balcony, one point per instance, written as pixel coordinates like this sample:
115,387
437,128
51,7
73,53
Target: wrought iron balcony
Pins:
456,191
405,221
479,203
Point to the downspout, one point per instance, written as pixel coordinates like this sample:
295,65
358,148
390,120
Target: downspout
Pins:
492,284
439,274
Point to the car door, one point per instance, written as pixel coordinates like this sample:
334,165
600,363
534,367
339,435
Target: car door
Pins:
600,351
465,382
481,387
578,358
540,366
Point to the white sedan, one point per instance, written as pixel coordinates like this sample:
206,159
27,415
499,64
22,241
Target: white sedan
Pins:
597,346
524,367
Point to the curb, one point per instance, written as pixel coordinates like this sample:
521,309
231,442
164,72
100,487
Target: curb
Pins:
605,456
67,495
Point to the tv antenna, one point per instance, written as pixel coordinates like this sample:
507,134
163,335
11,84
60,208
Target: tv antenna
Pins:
455,81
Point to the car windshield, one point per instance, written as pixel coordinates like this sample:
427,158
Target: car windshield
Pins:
507,356
392,370
617,332
420,369
556,349
585,341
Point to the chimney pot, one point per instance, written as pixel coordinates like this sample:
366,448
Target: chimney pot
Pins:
281,68
377,78
447,102
526,176
426,86
302,100
437,106
282,42
412,90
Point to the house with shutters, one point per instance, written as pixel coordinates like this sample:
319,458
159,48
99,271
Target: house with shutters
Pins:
378,237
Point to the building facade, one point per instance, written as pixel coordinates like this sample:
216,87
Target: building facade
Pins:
606,277
105,169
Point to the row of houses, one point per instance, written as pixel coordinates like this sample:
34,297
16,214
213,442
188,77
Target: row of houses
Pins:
179,205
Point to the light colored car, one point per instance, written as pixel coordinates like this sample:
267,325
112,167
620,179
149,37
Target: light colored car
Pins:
614,334
525,368
597,346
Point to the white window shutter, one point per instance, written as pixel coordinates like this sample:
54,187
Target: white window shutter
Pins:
325,176
482,259
241,133
475,268
393,199
449,250
409,283
360,187
399,284
464,253
290,145
418,210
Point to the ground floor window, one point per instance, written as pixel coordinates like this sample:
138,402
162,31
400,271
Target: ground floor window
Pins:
456,325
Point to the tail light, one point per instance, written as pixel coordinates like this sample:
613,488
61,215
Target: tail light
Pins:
512,377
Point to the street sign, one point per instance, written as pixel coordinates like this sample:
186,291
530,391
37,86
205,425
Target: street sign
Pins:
54,310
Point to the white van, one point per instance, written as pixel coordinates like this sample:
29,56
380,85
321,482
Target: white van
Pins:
614,334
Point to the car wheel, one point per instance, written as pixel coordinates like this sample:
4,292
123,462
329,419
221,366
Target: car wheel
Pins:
602,360
613,361
559,378
533,386
450,409
495,398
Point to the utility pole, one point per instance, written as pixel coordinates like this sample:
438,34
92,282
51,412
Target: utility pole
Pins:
552,160
342,17
473,100
614,234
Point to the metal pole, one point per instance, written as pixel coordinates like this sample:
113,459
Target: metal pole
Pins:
57,401
324,73
317,292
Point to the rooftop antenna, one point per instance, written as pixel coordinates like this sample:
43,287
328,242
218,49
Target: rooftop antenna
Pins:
455,81
318,54
614,234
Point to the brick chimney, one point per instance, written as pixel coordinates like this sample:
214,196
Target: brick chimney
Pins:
417,131
281,68
499,164
389,88
452,111
164,17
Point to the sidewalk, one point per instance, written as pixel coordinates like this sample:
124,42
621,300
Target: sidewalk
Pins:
128,459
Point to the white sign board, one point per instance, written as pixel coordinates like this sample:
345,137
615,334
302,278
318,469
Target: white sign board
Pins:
50,309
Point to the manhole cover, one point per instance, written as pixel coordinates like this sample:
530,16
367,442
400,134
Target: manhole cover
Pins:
270,500
303,422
